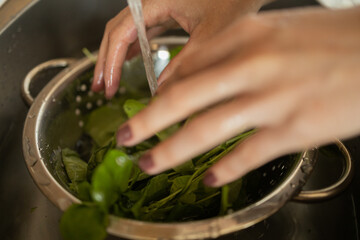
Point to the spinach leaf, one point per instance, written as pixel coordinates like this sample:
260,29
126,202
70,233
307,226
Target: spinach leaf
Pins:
103,188
111,178
83,222
74,166
179,183
175,51
187,167
60,171
156,188
103,122
229,194
119,166
132,107
84,191
164,134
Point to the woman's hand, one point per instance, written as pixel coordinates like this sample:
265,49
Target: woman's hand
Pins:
293,75
202,19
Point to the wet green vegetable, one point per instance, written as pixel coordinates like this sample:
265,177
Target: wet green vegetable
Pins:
107,181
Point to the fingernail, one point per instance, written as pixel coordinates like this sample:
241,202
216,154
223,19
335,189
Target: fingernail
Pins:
210,179
146,162
97,84
124,134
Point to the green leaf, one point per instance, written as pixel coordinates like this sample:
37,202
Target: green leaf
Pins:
133,196
111,178
189,198
164,134
156,188
224,199
60,173
132,107
182,212
186,167
175,51
136,208
84,191
234,190
179,183
83,222
103,188
74,166
229,194
119,165
103,122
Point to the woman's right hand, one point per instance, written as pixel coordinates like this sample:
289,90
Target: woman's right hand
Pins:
202,19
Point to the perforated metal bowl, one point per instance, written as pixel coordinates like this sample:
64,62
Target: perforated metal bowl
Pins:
55,120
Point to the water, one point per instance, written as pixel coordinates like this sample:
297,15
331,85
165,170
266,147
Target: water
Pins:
136,11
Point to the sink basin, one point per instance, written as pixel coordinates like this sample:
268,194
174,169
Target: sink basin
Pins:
53,29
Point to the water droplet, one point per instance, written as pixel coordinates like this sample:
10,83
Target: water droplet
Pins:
53,100
77,112
81,123
31,116
90,93
307,169
273,168
292,185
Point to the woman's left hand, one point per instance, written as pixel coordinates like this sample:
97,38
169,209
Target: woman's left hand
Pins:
293,75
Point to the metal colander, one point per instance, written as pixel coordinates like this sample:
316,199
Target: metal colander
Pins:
55,120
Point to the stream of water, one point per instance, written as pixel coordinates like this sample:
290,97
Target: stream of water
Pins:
136,11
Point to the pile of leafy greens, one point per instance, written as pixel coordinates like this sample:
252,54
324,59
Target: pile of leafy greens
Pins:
107,180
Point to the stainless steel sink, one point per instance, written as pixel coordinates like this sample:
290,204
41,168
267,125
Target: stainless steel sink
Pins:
52,29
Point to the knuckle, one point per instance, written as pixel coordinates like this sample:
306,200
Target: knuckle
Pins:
112,36
109,25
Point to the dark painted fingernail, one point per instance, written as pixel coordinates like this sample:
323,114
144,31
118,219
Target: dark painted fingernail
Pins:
146,162
210,179
124,134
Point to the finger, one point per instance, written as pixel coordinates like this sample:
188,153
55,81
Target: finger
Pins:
175,62
134,49
98,81
119,40
226,121
195,93
113,66
264,146
205,53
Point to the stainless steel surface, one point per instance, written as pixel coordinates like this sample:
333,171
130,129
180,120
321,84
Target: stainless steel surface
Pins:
11,10
29,78
335,188
51,123
54,29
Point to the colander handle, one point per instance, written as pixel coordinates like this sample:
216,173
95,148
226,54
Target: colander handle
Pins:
55,63
340,185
